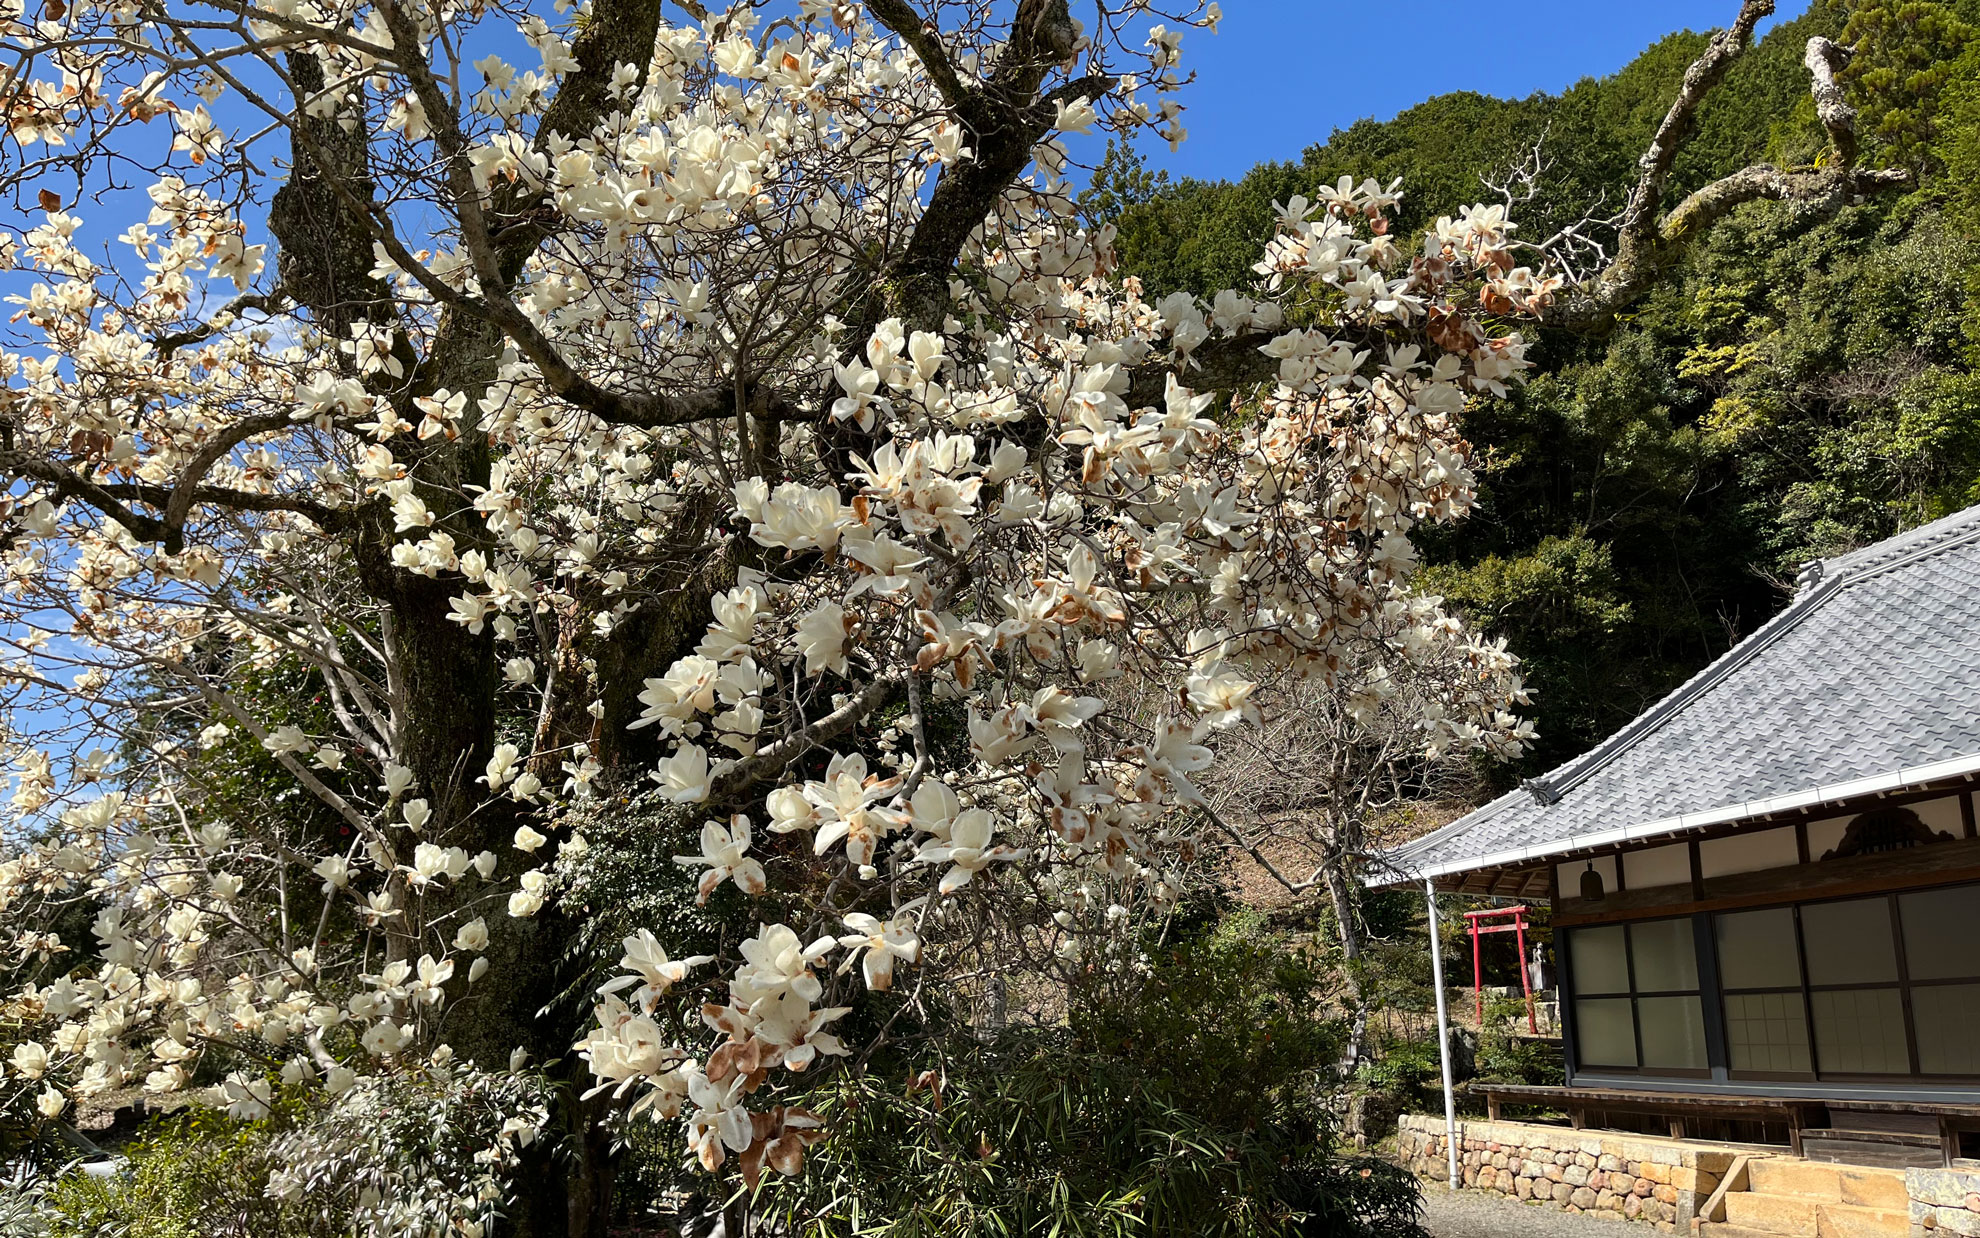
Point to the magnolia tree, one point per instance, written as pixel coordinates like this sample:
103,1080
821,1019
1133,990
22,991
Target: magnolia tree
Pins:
1339,767
705,401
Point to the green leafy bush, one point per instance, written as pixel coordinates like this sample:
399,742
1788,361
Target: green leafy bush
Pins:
1405,1068
1194,1105
199,1175
420,1152
1507,1056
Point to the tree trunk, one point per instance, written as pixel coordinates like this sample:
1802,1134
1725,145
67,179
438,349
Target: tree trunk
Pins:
1345,897
590,1182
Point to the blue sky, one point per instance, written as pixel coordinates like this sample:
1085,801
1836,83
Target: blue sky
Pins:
1280,75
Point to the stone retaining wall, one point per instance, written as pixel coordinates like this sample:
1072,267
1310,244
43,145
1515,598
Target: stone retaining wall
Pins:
1944,1201
1637,1177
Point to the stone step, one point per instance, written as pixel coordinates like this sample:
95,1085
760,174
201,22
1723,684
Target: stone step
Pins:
1761,1212
1822,1181
1847,1221
1875,1188
1783,1176
1772,1214
1722,1229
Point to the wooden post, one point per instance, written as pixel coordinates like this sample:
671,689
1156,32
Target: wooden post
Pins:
1525,975
1477,976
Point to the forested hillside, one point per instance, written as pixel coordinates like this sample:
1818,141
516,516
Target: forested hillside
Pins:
1793,388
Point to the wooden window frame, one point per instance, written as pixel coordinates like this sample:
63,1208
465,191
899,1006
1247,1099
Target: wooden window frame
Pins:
1633,996
1799,989
1903,984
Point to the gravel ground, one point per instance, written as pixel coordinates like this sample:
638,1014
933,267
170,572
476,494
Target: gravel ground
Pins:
1477,1214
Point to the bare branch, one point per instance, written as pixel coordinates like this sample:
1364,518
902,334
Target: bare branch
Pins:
206,457
329,519
1519,183
1647,239
70,484
771,761
262,302
1640,213
1816,191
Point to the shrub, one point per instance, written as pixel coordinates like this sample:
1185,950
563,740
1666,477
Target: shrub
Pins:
1195,1105
1407,1069
197,1175
419,1152
1505,1056
423,1151
23,1208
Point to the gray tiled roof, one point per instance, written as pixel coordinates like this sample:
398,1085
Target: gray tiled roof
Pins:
1869,679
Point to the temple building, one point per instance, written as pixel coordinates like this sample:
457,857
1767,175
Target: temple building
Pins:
1766,889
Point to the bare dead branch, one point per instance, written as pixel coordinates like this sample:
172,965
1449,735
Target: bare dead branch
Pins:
1647,238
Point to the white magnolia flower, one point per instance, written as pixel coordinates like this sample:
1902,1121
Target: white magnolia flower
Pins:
684,777
789,1024
247,1097
501,766
821,638
877,943
1223,698
724,850
720,1120
287,739
430,863
968,851
848,803
524,904
385,1038
472,936
651,970
168,1078
398,779
777,962
790,810
30,1059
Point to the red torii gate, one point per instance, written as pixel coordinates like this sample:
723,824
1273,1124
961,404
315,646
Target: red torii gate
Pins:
1516,924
